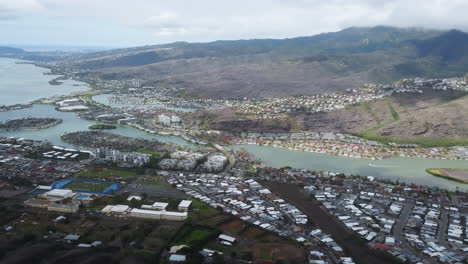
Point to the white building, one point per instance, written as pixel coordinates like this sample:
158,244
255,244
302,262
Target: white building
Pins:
175,119
115,209
184,205
158,215
177,258
164,119
58,194
228,239
159,206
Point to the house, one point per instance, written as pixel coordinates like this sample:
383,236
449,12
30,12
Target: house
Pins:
71,237
226,240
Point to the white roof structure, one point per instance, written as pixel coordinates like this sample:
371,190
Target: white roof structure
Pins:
184,214
177,258
185,203
136,197
115,208
60,193
141,211
72,237
227,238
159,205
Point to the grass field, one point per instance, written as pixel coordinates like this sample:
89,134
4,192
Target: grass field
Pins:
98,173
202,211
87,186
458,175
155,181
371,134
195,235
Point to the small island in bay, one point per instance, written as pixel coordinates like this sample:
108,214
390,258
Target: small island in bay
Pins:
102,126
459,175
29,123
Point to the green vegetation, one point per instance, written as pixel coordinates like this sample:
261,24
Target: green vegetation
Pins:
195,236
394,113
295,125
155,181
202,211
87,186
102,126
371,134
444,173
97,173
17,181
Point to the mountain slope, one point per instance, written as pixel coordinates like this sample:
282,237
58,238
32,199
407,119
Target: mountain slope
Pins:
304,65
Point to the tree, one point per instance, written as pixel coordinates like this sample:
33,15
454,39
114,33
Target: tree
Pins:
134,203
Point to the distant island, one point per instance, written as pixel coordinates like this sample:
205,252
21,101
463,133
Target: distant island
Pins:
459,175
102,126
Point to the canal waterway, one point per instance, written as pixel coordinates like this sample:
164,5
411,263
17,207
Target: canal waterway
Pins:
71,123
410,170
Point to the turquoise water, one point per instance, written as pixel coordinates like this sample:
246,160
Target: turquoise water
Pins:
23,83
410,170
71,123
82,196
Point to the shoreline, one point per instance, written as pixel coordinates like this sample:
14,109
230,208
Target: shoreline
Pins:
340,155
29,104
441,173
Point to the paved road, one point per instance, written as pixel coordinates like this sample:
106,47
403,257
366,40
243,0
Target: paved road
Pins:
400,226
443,225
327,222
231,158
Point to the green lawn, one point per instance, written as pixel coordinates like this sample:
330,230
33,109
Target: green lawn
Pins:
155,181
394,113
371,134
202,212
87,186
195,235
109,174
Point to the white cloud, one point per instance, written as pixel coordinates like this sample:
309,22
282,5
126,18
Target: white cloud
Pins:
203,20
17,5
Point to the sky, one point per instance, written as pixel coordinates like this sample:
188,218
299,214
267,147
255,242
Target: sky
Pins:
124,23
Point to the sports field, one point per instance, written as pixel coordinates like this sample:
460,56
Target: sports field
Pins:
87,186
98,173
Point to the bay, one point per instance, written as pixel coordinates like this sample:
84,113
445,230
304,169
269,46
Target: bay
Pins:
24,83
